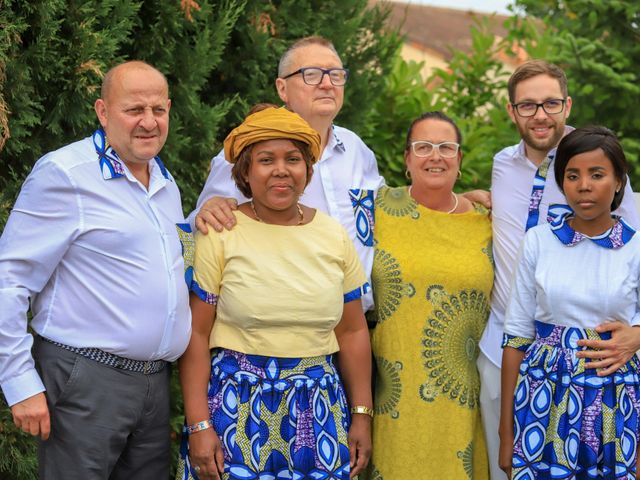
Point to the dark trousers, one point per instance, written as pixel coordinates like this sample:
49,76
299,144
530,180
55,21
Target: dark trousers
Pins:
106,423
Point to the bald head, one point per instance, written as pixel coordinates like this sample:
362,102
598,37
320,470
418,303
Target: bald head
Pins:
122,69
134,113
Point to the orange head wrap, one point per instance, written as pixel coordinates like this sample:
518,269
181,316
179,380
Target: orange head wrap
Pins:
269,124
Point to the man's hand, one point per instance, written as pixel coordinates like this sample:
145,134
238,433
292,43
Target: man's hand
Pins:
217,212
610,355
479,196
32,416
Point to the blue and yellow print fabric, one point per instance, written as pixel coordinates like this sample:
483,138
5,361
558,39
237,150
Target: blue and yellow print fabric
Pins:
277,418
569,423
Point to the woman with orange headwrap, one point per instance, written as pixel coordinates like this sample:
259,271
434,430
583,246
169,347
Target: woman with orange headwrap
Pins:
273,300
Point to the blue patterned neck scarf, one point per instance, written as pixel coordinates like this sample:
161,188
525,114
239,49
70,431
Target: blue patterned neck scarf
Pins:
110,164
539,181
614,238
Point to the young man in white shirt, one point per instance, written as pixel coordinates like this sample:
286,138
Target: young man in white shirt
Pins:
524,194
92,246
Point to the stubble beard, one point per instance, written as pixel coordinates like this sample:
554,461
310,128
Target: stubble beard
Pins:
542,145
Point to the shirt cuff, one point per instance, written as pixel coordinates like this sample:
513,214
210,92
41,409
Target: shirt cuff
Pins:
23,386
357,293
519,343
206,297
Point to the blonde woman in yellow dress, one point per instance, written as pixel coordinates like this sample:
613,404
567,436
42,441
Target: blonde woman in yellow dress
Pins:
432,279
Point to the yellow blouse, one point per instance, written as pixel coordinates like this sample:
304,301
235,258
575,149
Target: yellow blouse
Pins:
279,290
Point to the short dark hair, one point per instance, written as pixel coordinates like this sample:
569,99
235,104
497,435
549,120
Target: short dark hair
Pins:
587,139
258,107
436,115
287,57
533,68
240,169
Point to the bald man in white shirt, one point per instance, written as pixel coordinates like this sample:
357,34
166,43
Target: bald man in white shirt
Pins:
93,247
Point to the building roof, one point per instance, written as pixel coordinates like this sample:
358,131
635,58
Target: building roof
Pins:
438,29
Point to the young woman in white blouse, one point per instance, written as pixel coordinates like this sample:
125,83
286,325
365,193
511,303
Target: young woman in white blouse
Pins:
560,416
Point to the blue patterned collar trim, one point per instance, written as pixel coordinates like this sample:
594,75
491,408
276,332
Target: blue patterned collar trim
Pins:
338,143
614,238
110,164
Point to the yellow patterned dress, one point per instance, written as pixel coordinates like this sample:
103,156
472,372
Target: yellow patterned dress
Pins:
432,279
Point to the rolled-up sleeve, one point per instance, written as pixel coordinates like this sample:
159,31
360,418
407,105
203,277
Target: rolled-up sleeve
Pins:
521,311
44,221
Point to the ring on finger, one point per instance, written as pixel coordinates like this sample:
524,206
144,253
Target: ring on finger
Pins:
197,468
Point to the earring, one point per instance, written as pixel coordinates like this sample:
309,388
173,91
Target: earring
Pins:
407,174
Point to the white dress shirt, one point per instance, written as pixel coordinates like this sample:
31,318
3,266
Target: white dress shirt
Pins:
581,285
100,259
511,184
344,184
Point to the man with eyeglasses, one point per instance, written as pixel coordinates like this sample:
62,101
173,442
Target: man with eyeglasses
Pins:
524,194
311,81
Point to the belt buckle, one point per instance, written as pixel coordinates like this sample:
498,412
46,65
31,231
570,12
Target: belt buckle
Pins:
146,369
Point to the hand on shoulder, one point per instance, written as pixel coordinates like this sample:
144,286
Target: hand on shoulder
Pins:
216,212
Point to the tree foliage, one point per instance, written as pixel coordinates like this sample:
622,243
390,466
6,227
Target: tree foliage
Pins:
597,43
219,56
471,90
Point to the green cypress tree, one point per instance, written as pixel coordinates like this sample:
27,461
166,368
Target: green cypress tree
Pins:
220,57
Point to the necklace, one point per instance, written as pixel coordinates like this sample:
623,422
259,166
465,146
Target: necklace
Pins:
253,209
455,200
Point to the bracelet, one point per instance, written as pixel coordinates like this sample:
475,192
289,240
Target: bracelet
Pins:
198,427
363,410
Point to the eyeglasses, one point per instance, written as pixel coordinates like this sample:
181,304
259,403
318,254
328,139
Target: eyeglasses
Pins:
315,75
550,107
445,149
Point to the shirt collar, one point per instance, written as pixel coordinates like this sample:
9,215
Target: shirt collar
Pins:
334,140
110,164
614,238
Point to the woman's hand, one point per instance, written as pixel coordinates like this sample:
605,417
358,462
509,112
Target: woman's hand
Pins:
511,360
505,455
610,355
217,212
359,439
205,454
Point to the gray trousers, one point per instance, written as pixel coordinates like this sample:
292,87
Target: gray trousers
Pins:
106,423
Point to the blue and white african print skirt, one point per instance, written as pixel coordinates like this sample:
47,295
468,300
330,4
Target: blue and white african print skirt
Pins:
569,423
277,418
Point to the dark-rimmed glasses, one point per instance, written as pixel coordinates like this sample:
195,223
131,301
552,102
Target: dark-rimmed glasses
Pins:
315,75
552,106
422,148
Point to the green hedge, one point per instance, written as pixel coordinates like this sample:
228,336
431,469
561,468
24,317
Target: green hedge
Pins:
220,57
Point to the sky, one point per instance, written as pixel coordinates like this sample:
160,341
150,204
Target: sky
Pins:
487,6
